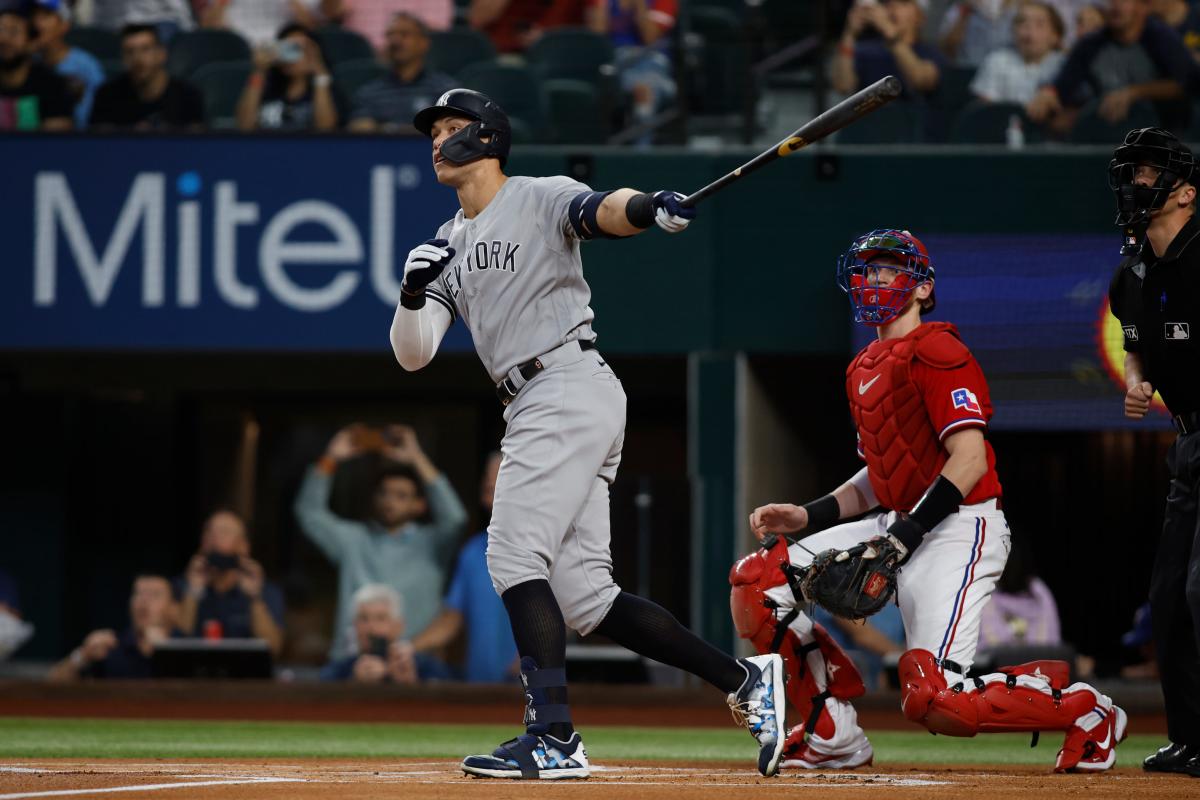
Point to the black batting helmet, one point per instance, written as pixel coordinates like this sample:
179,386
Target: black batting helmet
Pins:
1153,147
468,144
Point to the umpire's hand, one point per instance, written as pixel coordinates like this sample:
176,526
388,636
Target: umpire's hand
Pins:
1137,400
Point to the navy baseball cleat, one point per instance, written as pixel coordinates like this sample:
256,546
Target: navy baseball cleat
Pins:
761,706
532,757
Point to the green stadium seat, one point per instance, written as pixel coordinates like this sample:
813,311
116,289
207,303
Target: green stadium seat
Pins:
100,42
458,48
987,123
353,75
191,50
571,53
341,46
222,84
899,122
514,87
576,116
724,74
1091,129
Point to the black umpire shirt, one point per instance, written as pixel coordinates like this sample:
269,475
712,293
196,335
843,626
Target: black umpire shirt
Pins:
1157,301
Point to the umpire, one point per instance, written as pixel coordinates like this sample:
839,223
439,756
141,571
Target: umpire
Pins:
1156,296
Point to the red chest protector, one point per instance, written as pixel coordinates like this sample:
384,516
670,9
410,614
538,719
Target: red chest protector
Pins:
898,440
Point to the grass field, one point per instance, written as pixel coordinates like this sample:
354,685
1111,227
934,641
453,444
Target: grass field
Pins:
154,739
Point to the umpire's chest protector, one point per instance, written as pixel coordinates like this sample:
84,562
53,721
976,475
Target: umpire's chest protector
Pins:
897,439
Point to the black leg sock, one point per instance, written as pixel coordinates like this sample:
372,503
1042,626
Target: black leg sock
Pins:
541,634
649,629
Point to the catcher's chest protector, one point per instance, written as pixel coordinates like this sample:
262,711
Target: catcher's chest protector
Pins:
898,441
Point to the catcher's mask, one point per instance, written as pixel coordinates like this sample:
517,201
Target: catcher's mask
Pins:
858,275
1152,147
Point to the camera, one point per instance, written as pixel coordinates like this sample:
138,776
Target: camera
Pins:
378,646
289,52
222,562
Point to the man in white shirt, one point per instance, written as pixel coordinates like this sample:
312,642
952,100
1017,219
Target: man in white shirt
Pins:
1014,74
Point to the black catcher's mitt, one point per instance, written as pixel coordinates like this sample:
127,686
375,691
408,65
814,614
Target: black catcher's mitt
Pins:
853,583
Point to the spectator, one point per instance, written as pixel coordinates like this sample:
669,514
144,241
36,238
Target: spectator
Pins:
870,642
639,29
1014,75
513,25
290,88
104,654
472,602
389,103
1021,611
860,61
1089,19
1134,58
370,18
13,632
1184,17
256,21
394,547
32,96
972,29
167,17
81,71
145,97
381,655
224,591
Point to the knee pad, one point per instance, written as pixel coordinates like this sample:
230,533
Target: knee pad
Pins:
754,614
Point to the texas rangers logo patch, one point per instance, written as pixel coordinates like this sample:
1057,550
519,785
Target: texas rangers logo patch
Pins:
964,398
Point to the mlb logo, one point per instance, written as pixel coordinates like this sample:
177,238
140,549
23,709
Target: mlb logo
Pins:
1130,332
965,399
1176,331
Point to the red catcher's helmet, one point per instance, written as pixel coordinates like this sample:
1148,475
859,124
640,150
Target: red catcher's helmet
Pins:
878,305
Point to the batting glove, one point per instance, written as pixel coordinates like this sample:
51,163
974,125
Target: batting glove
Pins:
669,214
425,263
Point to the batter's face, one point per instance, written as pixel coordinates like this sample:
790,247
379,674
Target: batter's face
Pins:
448,173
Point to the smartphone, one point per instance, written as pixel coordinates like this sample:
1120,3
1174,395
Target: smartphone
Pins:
368,439
222,562
378,646
289,52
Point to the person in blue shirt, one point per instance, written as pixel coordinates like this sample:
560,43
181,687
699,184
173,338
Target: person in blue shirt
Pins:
382,655
80,69
472,604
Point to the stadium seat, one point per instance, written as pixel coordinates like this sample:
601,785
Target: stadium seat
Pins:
351,76
100,42
571,53
513,87
575,112
736,6
987,123
1091,129
222,86
191,50
898,122
455,49
724,73
341,46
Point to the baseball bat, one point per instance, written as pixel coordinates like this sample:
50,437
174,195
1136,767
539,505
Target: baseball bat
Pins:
850,110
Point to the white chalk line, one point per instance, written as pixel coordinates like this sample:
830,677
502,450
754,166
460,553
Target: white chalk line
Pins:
148,787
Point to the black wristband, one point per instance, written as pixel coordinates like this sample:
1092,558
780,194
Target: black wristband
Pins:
413,301
822,513
940,501
908,531
640,210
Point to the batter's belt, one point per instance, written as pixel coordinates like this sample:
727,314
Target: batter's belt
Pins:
522,374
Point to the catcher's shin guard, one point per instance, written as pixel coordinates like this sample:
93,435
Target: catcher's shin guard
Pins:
816,666
1026,698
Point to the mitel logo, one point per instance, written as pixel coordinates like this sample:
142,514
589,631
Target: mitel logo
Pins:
99,259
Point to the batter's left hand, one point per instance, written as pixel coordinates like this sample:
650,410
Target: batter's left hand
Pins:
668,214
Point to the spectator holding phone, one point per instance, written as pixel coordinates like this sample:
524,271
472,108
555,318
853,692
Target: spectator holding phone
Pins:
290,88
395,546
223,593
884,38
382,655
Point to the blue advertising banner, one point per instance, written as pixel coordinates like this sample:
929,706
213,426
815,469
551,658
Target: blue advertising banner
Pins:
266,243
1034,311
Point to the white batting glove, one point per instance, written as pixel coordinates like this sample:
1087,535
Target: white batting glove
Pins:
425,262
669,214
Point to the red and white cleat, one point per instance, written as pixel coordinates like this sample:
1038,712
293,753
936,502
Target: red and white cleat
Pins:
1091,743
798,754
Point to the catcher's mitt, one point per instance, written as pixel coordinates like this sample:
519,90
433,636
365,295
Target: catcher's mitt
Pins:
853,583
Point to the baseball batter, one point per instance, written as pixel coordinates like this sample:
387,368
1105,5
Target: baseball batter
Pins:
920,403
508,264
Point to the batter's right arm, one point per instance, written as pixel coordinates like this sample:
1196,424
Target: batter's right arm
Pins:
625,212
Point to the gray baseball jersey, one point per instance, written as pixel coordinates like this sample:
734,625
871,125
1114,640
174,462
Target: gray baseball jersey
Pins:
516,277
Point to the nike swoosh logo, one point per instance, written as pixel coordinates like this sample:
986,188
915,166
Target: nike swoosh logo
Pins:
863,387
1107,739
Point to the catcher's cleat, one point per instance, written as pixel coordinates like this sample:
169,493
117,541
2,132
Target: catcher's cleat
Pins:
1093,748
532,757
799,754
760,705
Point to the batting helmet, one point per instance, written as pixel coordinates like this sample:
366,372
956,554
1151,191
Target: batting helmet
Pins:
488,136
874,304
1152,147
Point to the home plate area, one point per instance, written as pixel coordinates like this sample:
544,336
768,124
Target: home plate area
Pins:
349,780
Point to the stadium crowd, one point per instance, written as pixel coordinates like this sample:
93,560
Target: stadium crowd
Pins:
579,70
